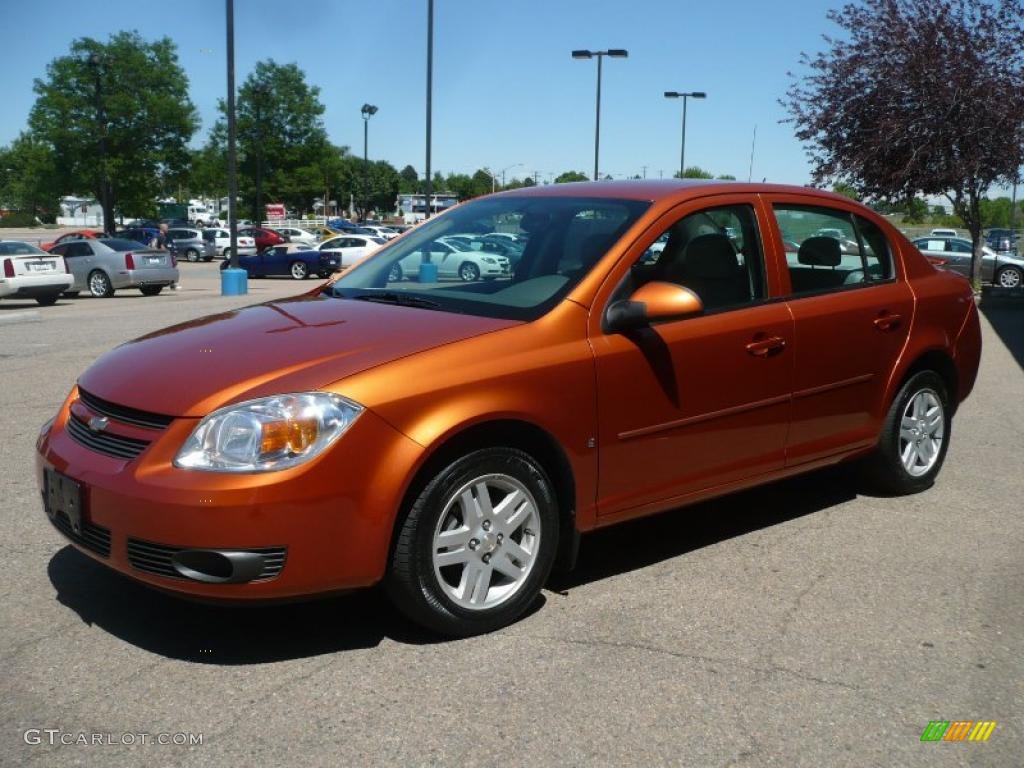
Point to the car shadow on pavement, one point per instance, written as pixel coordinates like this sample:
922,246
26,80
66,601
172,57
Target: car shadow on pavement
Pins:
640,543
239,635
223,634
1006,316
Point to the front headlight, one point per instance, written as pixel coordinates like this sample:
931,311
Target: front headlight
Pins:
489,259
268,434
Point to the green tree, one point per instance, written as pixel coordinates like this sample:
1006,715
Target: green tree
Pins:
996,213
693,172
409,181
125,100
28,177
371,187
282,142
568,176
846,190
726,177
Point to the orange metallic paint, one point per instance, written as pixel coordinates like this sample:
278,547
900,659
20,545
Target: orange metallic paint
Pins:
675,412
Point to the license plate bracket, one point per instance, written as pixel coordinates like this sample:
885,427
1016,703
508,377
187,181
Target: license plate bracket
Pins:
63,495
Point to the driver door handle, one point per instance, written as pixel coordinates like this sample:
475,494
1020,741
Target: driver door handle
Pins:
887,322
765,347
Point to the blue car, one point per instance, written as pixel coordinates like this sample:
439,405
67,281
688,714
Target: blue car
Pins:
144,235
291,259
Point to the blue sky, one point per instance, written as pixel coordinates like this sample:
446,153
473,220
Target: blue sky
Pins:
505,88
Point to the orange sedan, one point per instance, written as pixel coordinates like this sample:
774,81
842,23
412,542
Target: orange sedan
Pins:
658,343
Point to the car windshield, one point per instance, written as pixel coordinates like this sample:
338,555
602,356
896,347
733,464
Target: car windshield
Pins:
563,239
121,245
13,248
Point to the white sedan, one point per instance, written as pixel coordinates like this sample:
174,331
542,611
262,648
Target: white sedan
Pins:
296,235
452,262
385,232
27,272
217,242
351,248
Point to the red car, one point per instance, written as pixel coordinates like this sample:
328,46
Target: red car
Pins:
82,234
264,236
454,439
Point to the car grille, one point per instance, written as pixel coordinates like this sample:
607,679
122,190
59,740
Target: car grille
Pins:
103,442
156,559
93,537
123,413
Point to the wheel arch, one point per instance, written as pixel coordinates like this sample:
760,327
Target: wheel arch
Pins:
506,433
940,361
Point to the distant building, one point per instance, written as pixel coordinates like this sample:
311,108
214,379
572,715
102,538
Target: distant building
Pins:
413,208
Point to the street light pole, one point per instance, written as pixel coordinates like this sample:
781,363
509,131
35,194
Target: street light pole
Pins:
508,168
682,144
368,111
615,53
430,80
232,139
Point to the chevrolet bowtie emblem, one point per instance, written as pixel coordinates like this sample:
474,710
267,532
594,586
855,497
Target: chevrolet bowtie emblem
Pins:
98,423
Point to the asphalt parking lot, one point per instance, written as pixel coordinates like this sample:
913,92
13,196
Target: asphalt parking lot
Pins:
799,624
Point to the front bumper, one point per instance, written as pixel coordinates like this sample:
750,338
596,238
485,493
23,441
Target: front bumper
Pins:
327,524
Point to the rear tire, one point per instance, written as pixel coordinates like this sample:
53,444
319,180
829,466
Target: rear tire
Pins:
99,284
914,438
70,294
192,255
151,290
47,301
476,546
396,274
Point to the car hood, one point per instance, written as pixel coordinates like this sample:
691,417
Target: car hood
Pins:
291,345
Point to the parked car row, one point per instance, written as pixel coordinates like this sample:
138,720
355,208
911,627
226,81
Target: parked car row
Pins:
954,253
100,266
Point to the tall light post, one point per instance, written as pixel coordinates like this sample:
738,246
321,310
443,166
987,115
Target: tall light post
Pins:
615,53
507,168
368,111
684,97
427,187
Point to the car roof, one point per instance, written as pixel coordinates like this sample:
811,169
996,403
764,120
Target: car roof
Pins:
663,189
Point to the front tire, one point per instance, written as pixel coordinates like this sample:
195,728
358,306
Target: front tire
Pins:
469,272
477,544
47,301
914,437
396,274
1009,277
299,270
99,285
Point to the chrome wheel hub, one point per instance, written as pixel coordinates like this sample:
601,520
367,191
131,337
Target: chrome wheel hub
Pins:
922,429
486,541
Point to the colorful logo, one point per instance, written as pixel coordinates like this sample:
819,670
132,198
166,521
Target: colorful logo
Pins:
958,730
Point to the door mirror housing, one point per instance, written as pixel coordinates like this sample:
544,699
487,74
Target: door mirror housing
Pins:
651,303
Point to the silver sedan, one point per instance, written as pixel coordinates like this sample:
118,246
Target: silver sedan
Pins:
105,265
954,253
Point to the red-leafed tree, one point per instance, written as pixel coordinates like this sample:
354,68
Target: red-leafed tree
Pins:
917,96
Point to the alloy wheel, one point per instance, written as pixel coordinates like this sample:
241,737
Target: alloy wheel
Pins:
1009,277
486,541
922,429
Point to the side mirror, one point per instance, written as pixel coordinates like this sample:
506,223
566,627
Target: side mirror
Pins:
651,303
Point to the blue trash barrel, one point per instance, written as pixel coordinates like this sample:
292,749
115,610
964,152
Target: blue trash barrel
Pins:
233,282
428,273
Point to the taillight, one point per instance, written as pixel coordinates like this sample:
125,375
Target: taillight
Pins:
8,267
129,260
66,268
937,261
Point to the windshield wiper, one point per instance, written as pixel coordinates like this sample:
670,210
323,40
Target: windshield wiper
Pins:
401,299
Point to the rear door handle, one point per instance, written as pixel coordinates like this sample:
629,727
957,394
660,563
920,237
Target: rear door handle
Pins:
887,322
765,347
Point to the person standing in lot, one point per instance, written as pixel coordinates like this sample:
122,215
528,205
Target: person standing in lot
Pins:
162,243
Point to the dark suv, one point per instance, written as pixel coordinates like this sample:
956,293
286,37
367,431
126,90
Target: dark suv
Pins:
1001,240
